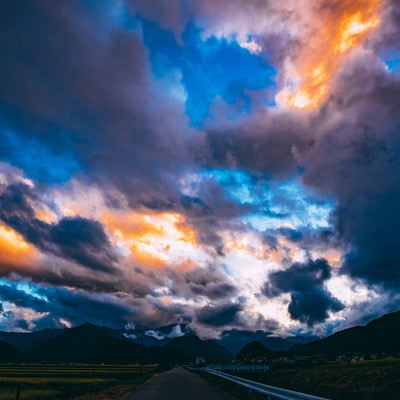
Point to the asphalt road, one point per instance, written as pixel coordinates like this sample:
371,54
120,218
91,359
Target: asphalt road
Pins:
177,384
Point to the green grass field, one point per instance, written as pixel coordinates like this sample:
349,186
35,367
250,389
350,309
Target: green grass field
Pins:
60,382
360,380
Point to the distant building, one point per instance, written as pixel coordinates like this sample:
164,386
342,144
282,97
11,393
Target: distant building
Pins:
200,361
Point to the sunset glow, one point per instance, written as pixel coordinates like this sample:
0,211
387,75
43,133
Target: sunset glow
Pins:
153,239
13,248
334,38
231,164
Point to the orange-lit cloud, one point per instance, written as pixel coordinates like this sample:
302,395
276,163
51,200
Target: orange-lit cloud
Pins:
251,244
144,237
343,25
45,215
14,250
153,239
245,243
333,256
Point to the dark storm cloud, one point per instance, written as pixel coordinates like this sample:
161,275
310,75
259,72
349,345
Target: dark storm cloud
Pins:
219,315
213,290
85,90
303,306
79,307
209,283
16,211
356,161
292,234
74,238
225,17
310,300
305,238
266,143
67,276
74,306
175,14
389,30
84,241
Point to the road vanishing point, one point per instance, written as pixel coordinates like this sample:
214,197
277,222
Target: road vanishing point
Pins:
177,384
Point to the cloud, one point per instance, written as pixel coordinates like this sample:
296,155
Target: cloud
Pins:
266,143
219,315
52,305
84,241
310,301
22,299
73,238
220,18
355,160
210,283
177,211
99,107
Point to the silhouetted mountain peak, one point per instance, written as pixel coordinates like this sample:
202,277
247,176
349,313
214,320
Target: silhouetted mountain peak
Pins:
254,350
92,343
235,339
188,348
378,336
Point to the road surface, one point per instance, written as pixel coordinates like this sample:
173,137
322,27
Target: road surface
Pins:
177,384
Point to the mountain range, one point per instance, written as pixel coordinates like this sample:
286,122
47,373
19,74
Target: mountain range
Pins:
234,340
95,344
178,343
379,336
168,344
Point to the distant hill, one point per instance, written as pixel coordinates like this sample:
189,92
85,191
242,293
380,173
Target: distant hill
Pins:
9,353
235,339
379,336
26,342
254,350
90,343
232,340
95,344
188,348
177,343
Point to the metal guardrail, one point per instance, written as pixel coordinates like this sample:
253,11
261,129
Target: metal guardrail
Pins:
240,368
271,391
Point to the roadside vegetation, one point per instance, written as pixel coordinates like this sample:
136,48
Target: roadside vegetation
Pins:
349,380
67,382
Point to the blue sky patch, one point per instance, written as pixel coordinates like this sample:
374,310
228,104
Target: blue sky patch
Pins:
38,161
211,68
391,58
239,186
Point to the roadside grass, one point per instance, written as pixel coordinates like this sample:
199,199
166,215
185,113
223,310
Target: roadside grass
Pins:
64,382
360,380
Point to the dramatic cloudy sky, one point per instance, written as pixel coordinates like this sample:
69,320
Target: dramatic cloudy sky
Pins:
230,163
